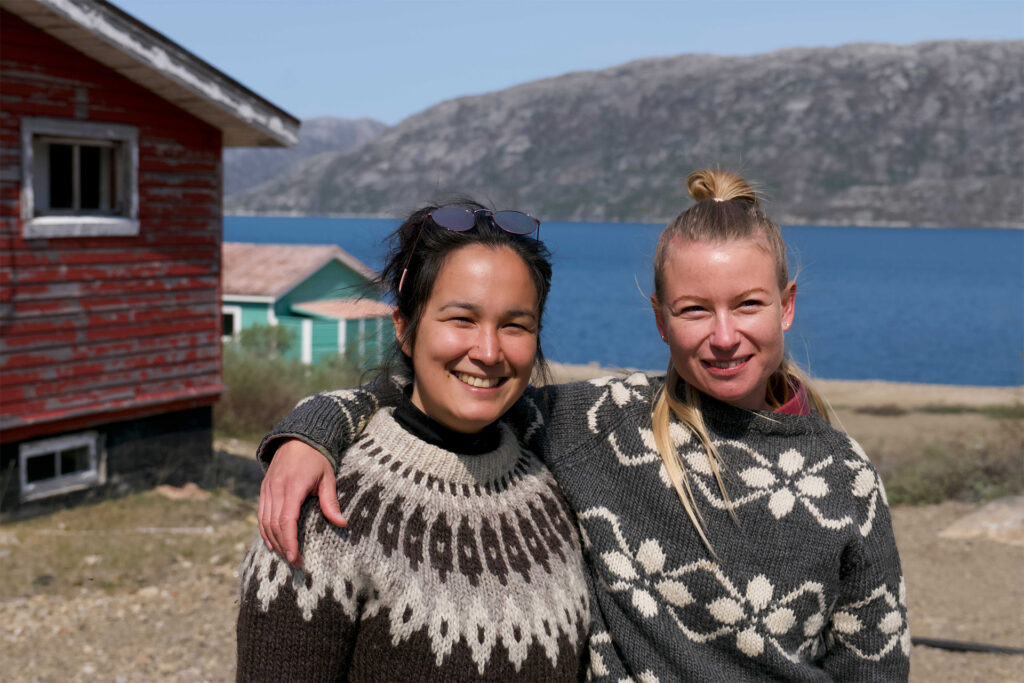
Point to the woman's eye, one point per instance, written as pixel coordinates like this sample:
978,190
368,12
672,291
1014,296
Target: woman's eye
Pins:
750,303
691,310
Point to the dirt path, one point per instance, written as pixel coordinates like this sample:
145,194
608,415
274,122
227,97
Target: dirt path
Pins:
960,589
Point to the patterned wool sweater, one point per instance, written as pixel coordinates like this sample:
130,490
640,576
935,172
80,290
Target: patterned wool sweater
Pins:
805,586
452,568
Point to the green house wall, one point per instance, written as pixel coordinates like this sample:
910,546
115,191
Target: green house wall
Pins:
366,341
252,314
333,281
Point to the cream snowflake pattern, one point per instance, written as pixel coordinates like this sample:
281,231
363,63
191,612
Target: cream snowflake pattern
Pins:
867,485
621,392
851,626
784,482
756,617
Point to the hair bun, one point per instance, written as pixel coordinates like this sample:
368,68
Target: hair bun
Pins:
723,186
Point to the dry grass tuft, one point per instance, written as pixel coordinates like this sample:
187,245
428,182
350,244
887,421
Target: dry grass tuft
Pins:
986,468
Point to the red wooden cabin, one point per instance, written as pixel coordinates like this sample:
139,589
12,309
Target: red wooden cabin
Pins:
110,244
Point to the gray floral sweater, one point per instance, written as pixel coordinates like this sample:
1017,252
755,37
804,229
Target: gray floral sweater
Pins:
805,585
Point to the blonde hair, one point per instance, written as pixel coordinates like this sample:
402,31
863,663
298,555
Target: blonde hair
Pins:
727,209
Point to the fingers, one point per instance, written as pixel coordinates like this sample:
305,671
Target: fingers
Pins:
329,499
294,473
259,515
286,526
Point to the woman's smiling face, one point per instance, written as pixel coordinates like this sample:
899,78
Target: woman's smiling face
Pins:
476,341
723,317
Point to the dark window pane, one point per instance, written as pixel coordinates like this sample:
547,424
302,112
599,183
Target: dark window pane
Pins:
60,177
40,467
74,460
227,324
89,166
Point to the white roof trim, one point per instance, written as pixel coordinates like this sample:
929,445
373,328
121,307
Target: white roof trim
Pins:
106,34
247,299
355,264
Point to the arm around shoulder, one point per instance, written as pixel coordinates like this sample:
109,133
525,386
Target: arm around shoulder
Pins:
330,421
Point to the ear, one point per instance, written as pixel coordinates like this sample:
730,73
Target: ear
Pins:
659,319
400,323
788,304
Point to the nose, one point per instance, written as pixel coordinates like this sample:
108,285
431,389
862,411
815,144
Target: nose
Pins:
487,346
724,334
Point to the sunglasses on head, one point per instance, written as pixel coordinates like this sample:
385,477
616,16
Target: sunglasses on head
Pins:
458,219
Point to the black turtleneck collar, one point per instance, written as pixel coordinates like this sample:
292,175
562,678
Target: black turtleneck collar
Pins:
419,424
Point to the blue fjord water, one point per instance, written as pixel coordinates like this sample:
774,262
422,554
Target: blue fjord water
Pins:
897,304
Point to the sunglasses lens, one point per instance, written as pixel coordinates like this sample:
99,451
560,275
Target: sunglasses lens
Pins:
516,222
454,218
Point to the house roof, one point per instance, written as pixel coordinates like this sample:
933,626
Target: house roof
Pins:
275,269
345,309
133,49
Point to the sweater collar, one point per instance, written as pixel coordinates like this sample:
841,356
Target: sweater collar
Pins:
797,403
421,425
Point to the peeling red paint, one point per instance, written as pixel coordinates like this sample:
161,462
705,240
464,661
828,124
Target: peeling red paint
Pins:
101,328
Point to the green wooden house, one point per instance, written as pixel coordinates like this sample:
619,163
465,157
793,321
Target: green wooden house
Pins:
321,293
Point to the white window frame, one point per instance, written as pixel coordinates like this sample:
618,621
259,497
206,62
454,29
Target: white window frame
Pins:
126,138
96,475
236,328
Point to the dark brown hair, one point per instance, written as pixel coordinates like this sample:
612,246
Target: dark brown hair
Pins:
422,247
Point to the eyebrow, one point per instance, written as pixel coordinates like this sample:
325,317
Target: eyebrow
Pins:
473,308
741,295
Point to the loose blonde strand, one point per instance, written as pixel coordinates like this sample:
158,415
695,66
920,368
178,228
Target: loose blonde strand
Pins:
673,466
690,416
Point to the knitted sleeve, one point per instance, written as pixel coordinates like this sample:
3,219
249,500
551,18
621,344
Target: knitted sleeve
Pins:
548,420
604,663
330,421
299,624
868,638
559,419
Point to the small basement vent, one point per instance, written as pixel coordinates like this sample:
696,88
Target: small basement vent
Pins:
49,467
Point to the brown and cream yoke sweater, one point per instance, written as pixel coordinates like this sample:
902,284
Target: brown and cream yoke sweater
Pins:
453,567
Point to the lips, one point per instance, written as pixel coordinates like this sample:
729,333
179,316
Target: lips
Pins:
479,382
726,364
725,368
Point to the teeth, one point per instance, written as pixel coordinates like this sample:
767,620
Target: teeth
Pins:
725,365
481,382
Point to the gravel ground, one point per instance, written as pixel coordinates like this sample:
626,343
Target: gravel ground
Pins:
174,619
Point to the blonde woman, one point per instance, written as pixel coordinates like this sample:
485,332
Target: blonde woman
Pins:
731,532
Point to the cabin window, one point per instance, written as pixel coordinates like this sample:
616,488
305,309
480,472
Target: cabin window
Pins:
63,464
230,322
80,178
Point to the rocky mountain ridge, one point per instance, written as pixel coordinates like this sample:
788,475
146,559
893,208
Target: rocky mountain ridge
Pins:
245,168
930,134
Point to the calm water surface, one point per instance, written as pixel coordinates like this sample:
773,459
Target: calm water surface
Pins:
898,304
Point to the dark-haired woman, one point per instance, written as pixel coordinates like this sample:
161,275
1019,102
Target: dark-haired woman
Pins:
733,534
460,560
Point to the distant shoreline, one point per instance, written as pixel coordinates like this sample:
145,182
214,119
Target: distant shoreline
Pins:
854,393
784,224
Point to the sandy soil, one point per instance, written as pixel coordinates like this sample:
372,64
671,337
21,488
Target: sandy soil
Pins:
145,588
174,620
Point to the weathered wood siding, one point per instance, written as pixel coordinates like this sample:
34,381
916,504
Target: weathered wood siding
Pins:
100,328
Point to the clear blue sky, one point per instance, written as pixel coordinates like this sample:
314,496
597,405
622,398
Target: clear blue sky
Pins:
387,59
